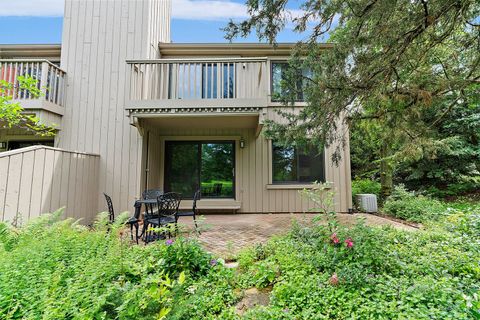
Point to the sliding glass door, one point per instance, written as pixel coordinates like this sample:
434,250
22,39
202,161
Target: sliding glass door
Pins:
208,165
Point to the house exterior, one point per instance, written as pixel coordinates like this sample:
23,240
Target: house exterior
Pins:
141,113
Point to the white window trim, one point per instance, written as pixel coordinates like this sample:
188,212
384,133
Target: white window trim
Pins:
292,185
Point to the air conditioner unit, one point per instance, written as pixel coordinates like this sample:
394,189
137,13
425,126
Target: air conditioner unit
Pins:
367,202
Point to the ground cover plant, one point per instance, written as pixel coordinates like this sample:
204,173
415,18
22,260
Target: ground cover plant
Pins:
413,207
320,270
54,269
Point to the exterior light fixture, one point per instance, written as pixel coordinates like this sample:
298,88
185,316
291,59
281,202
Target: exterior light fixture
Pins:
242,143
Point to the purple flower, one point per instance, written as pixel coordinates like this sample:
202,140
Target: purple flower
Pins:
169,242
213,262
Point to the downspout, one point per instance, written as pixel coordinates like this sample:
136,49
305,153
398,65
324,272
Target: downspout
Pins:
147,169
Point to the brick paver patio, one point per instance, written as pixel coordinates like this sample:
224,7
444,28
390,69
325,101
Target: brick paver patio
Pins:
226,234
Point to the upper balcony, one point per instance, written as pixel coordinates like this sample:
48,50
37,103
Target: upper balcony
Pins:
223,84
51,80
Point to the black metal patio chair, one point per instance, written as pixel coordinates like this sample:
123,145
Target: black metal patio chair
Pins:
167,206
151,194
111,212
132,221
193,213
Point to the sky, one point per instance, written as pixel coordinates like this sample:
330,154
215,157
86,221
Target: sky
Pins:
40,21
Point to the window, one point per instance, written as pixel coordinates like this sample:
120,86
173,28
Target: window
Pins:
296,165
209,165
279,70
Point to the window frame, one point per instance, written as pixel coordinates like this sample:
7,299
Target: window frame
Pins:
272,93
290,184
199,143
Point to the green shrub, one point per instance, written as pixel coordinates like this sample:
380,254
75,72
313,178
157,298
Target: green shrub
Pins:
385,274
360,186
187,256
320,270
209,297
454,189
61,270
411,207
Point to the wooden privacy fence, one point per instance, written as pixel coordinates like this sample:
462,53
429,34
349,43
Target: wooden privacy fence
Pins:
40,179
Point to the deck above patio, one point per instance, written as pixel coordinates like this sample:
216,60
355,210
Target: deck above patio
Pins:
221,84
51,81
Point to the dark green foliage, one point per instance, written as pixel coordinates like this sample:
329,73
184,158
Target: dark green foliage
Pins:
411,207
402,75
391,62
387,274
61,270
186,256
320,270
210,297
453,167
365,186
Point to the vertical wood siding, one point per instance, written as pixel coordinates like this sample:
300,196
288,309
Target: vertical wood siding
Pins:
98,37
41,179
253,166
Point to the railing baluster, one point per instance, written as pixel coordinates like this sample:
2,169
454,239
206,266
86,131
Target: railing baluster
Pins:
12,90
2,71
56,86
161,81
14,83
35,71
198,78
211,81
189,82
50,79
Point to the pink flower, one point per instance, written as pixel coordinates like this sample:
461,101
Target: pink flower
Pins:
349,242
334,238
333,279
169,242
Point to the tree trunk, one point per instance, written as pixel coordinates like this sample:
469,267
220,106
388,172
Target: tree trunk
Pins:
386,173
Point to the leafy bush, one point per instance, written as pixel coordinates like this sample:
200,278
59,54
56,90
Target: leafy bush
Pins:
365,186
455,189
209,297
384,273
187,256
411,207
320,270
61,270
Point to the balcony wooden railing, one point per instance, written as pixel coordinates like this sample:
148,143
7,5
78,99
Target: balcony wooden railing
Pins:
188,82
51,80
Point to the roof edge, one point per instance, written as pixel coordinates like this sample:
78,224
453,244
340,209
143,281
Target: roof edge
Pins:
30,50
254,49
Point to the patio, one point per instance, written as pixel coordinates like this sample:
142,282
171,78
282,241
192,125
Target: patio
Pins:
226,234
